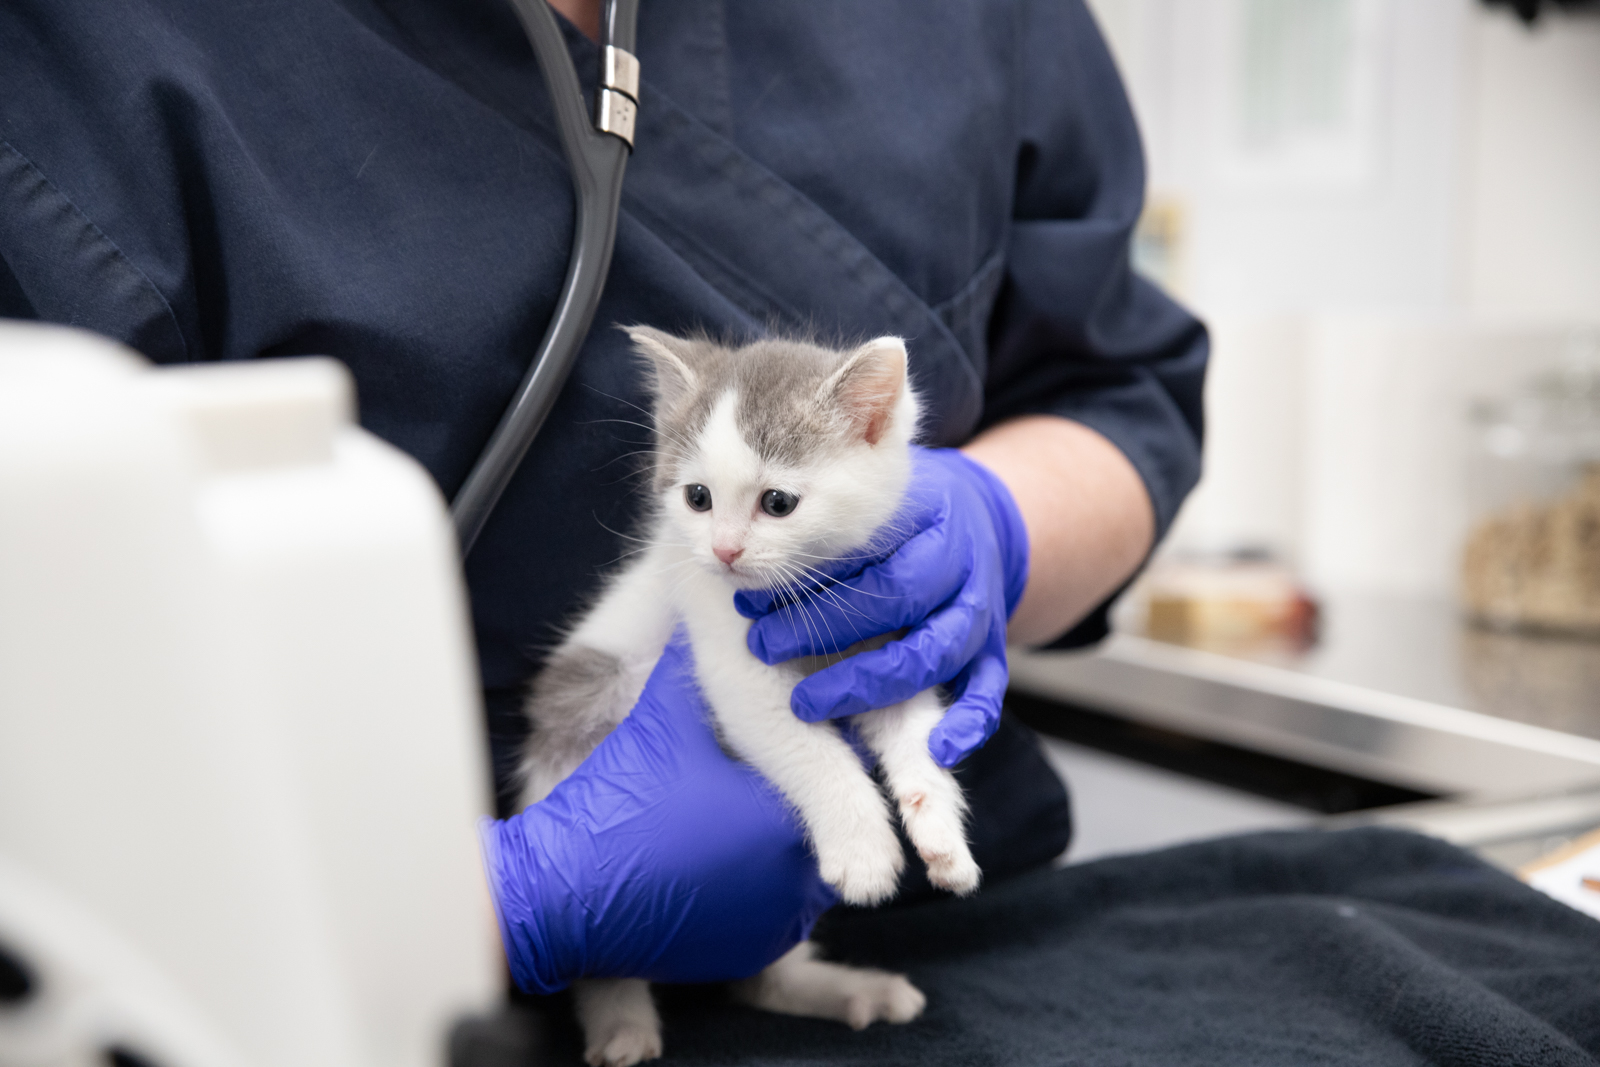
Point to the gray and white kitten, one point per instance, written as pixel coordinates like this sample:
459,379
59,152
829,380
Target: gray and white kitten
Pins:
771,459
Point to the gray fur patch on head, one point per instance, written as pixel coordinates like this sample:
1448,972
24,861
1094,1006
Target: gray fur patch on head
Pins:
783,412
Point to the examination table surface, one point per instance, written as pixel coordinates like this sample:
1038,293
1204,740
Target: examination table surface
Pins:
1364,947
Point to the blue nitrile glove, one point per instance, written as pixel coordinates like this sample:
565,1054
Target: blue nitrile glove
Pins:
953,583
660,857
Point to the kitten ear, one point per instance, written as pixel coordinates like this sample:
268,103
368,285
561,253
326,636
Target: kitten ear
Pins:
670,371
869,385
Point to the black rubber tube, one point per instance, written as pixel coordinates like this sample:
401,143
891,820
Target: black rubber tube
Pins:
620,19
597,162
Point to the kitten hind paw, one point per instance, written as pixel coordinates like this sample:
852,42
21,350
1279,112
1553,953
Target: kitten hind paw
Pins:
627,1045
886,998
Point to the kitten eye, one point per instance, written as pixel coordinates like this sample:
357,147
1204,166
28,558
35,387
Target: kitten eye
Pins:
777,503
698,497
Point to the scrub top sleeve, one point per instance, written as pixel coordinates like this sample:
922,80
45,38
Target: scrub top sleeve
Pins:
1075,332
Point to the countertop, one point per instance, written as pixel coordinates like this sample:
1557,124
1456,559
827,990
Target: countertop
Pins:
1398,690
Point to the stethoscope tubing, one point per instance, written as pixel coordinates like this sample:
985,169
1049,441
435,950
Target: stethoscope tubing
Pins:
597,160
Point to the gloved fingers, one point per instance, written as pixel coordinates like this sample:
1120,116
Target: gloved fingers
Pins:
720,878
896,594
975,715
932,654
980,486
616,874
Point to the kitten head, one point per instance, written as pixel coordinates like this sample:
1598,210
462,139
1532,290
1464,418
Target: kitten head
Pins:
778,456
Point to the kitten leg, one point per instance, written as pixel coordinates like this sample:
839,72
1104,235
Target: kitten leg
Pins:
841,808
619,1020
800,984
815,769
931,804
587,687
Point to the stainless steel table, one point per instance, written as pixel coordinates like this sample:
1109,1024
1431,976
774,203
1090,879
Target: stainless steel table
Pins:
1506,727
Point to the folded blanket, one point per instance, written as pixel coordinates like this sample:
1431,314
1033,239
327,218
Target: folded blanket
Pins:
1369,947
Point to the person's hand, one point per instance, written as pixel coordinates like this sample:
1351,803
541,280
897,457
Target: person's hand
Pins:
659,858
952,583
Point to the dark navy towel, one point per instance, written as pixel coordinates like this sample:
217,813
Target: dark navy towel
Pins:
1364,947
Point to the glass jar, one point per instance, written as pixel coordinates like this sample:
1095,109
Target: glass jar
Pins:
1532,554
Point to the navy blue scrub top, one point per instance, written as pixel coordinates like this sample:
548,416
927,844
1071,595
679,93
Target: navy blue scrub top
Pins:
380,180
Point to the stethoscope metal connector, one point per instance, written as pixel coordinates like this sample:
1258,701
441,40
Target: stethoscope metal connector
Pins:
617,106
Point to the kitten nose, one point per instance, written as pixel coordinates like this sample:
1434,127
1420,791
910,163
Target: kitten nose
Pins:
728,555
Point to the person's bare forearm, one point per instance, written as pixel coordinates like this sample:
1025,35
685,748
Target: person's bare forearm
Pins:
1088,515
584,14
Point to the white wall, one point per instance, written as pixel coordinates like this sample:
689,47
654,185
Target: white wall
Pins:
1378,231
1255,444
1533,219
1355,315
1383,494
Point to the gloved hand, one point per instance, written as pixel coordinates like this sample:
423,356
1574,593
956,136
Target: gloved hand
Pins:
954,582
659,858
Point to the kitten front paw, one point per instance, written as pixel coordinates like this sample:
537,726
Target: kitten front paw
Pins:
937,833
883,997
625,1046
865,869
956,871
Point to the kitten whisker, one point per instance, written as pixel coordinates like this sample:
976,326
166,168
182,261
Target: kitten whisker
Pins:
652,427
620,400
630,422
848,609
829,588
813,625
627,537
629,455
781,571
837,559
646,548
818,630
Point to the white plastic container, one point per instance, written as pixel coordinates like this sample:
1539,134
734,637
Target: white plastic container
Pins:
241,754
